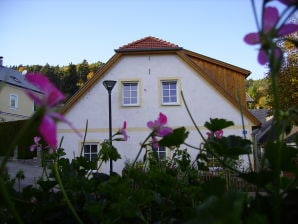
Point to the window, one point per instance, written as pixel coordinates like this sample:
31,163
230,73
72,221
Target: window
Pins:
161,152
91,151
169,92
130,94
13,101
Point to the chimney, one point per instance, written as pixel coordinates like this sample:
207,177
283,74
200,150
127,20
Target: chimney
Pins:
1,61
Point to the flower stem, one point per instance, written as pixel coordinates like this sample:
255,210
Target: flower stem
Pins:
140,150
64,194
192,119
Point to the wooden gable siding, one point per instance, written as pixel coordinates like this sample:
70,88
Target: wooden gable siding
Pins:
231,81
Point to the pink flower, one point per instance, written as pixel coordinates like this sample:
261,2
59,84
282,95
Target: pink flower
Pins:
269,31
159,129
123,131
217,134
51,97
37,145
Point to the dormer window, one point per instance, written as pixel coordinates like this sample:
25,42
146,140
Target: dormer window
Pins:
15,79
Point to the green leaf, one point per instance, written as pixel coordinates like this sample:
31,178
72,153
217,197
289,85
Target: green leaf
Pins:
176,138
231,146
217,124
108,152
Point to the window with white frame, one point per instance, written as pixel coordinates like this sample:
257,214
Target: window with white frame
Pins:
161,152
169,92
13,101
130,93
90,151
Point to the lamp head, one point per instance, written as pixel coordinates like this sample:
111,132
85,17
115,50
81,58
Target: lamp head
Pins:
109,84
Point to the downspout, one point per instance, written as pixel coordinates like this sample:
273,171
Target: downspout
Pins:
256,139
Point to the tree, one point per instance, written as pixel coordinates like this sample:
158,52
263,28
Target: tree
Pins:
83,70
287,79
50,72
258,91
70,80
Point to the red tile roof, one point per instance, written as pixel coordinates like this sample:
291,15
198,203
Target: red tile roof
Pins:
149,43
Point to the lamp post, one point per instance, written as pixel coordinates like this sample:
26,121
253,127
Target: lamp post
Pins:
109,85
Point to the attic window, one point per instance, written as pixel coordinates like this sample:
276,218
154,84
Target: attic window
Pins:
169,92
130,93
15,79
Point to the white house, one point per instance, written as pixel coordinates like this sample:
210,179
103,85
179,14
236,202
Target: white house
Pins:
150,74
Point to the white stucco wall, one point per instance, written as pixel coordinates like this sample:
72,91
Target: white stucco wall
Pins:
203,101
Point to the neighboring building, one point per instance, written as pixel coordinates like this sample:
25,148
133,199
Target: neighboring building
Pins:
14,103
150,74
265,132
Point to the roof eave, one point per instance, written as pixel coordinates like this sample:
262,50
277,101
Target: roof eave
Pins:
243,71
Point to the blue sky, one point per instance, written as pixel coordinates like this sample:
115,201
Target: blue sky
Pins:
59,32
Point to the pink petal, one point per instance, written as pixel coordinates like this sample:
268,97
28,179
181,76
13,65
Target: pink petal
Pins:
162,119
48,131
163,131
59,117
155,142
252,38
125,136
124,125
270,18
36,139
150,125
209,134
218,134
52,94
33,147
34,97
287,29
55,97
262,57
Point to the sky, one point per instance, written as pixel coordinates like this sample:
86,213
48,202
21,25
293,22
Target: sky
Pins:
60,32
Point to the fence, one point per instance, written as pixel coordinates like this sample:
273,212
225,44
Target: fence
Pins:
232,181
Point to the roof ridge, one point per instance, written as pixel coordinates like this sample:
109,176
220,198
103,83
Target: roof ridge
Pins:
148,42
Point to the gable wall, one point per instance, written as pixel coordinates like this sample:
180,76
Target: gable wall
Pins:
232,81
203,100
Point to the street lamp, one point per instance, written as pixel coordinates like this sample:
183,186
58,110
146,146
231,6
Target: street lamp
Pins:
109,84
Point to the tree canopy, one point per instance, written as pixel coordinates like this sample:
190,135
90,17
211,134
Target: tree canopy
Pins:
67,78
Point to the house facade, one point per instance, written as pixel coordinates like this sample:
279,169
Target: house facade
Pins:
14,103
150,75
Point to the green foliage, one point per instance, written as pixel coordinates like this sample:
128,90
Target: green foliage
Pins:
67,78
287,78
231,147
217,124
176,138
258,90
167,191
